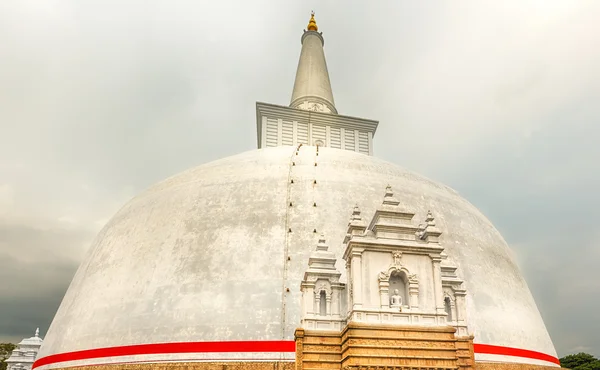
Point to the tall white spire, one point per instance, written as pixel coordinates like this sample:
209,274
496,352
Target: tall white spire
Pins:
311,117
312,88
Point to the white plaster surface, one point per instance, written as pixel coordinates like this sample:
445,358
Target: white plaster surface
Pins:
203,255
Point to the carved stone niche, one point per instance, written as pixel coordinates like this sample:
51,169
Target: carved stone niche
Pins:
398,281
322,300
449,304
454,295
322,292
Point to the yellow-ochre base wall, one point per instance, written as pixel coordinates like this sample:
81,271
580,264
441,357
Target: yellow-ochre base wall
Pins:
371,346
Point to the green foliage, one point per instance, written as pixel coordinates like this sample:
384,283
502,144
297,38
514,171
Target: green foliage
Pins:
5,351
580,361
594,365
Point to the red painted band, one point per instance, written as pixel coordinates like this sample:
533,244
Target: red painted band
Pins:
186,347
508,351
245,346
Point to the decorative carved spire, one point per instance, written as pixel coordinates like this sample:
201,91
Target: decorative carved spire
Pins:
430,233
312,24
356,226
430,220
389,198
37,332
355,214
322,245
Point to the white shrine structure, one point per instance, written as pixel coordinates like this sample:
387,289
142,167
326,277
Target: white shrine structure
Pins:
398,274
23,357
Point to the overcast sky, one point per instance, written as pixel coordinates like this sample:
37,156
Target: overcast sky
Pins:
499,100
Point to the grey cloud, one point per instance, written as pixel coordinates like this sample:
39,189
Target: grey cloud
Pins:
37,266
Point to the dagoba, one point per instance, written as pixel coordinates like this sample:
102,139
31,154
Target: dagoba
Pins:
307,253
24,355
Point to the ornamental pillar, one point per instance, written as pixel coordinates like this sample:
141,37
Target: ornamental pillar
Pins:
437,285
356,269
384,293
460,307
309,301
413,292
317,305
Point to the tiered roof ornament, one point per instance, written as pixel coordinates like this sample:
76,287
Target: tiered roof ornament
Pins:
391,220
321,263
431,233
312,24
389,199
322,291
356,226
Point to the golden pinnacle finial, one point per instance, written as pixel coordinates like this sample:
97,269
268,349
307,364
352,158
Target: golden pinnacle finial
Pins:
312,24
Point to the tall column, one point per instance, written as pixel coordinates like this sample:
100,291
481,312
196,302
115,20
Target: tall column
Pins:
437,284
328,304
460,307
309,301
357,279
461,313
349,286
413,292
317,303
384,293
335,303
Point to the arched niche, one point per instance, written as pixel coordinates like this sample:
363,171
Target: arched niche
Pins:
450,305
398,277
448,309
399,282
322,304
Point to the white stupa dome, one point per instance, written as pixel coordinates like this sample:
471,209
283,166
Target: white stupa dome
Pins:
200,256
207,265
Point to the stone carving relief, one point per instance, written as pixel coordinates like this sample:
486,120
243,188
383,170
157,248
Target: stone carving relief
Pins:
383,276
448,292
323,287
397,256
314,107
396,300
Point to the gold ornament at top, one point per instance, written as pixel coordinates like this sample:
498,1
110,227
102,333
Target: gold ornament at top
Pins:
312,24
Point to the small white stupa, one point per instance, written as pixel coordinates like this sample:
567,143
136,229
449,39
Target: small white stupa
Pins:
23,357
